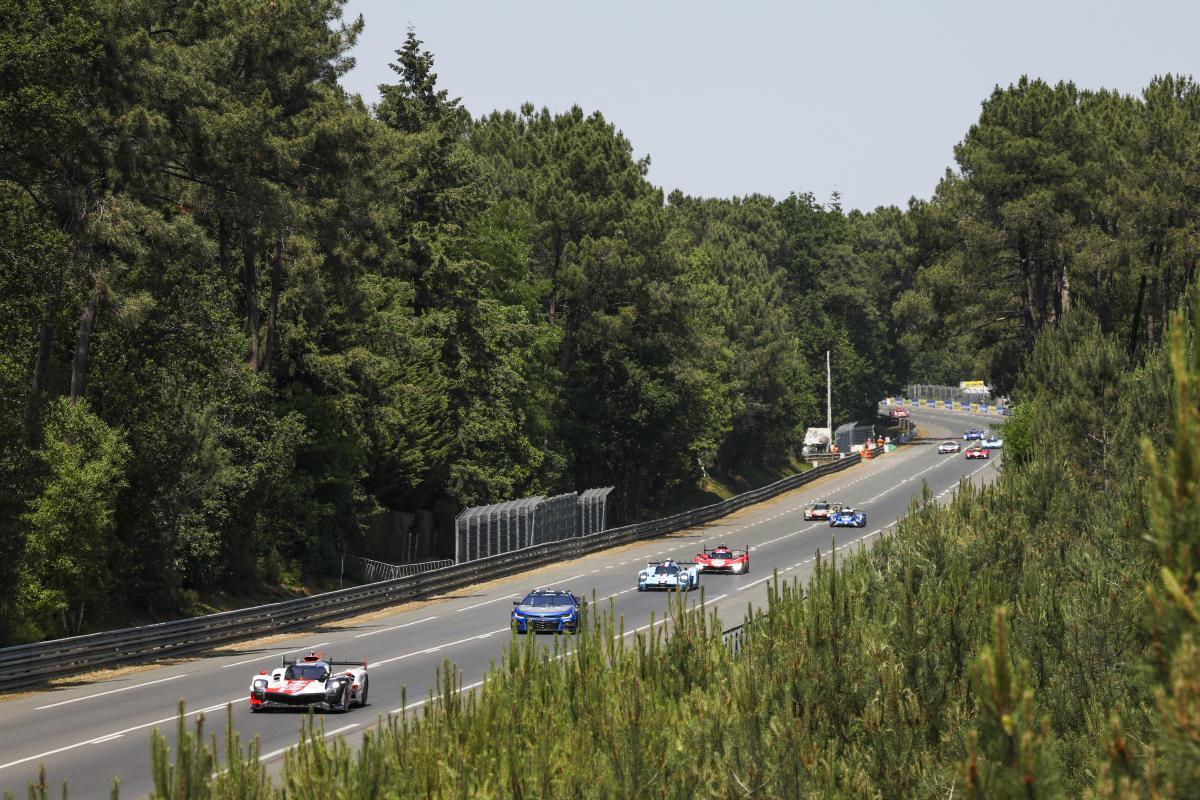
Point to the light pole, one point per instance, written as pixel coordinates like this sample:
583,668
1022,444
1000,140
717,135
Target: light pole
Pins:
828,398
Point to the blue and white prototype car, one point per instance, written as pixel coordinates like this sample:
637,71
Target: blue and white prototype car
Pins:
848,518
669,575
972,433
547,611
993,441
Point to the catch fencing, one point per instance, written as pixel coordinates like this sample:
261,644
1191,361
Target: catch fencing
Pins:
954,398
853,434
483,531
28,664
374,571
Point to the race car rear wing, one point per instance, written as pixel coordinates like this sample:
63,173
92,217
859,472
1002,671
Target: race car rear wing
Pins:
290,662
734,550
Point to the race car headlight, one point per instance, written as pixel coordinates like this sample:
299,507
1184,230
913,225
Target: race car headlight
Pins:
260,685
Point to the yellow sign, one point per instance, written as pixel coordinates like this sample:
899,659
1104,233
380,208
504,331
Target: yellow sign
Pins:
971,385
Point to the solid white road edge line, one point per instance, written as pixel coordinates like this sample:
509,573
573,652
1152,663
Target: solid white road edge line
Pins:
115,734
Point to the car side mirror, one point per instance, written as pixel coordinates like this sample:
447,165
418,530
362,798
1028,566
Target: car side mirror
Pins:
516,602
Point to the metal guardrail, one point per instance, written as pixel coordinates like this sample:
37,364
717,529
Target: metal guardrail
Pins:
375,571
28,664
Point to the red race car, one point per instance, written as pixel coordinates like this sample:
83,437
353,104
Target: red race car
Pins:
978,452
723,559
900,413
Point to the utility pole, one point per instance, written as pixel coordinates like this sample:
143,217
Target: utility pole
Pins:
828,398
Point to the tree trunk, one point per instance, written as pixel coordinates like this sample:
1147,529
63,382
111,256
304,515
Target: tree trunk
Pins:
83,348
250,286
1137,317
273,306
556,262
223,243
40,363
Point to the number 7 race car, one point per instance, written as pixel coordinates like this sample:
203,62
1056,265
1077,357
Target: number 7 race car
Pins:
723,559
310,682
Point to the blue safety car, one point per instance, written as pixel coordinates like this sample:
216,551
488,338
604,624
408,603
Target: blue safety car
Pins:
848,518
547,611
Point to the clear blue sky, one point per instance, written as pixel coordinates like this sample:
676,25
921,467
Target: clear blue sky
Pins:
732,98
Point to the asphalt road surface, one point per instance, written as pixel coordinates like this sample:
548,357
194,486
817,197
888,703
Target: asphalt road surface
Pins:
89,733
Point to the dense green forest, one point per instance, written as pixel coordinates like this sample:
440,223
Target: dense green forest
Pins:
246,319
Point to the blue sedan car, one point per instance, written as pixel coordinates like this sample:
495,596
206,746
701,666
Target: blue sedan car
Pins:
848,518
547,611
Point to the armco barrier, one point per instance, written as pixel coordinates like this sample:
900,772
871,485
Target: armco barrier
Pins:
28,664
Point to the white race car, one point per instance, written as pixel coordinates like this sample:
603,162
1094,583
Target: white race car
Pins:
669,575
948,446
993,441
311,681
821,509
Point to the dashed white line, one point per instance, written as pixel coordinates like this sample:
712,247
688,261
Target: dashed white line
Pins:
273,655
409,624
282,750
436,648
110,691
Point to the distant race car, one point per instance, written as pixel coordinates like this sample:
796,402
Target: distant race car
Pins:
724,559
948,446
669,575
848,518
311,682
547,611
973,433
978,452
900,413
820,509
993,441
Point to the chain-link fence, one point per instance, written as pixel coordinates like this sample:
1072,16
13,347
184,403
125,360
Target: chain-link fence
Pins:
484,531
851,434
371,571
948,394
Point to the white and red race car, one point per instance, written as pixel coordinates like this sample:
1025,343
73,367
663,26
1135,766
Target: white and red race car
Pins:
978,452
311,681
820,509
723,559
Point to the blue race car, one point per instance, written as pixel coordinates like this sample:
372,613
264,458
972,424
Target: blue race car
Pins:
848,518
548,611
973,433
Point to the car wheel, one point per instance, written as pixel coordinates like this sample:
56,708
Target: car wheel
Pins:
362,698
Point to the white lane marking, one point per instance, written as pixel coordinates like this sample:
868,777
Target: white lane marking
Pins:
486,602
274,655
405,625
110,691
115,734
572,578
438,647
282,750
420,703
108,738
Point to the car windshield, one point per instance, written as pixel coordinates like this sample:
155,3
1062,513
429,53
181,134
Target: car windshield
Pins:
722,554
821,507
547,600
663,569
305,672
950,444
